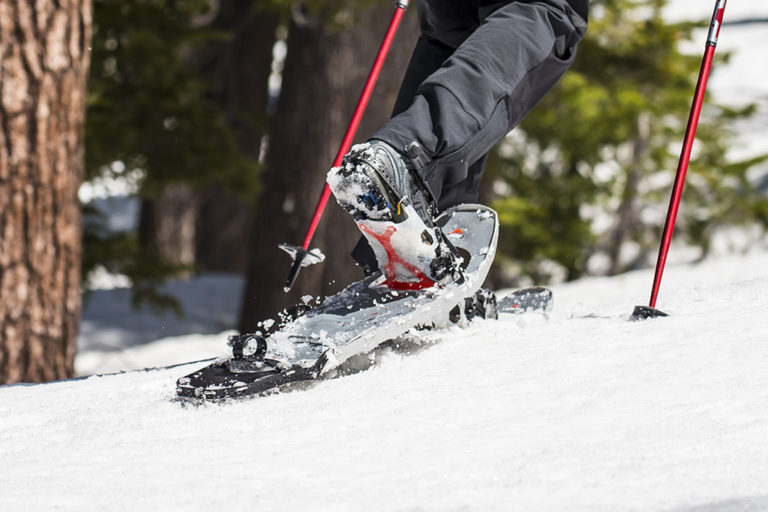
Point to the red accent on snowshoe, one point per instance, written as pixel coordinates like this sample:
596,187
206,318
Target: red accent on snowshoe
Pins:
385,239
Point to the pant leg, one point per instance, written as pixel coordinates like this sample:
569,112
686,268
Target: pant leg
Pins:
449,22
430,113
491,81
444,26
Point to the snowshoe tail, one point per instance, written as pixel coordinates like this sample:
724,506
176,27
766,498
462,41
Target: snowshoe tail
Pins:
536,298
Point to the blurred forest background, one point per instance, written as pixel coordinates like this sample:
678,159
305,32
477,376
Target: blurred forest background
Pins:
223,116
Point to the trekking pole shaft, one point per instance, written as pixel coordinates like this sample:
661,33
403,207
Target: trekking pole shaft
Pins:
685,155
358,115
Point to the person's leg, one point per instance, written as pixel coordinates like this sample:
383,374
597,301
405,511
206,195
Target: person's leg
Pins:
479,93
455,104
444,26
483,90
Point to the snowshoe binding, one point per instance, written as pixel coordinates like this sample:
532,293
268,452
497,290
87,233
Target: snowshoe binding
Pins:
394,211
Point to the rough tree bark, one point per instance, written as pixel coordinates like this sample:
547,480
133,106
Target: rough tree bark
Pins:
324,73
43,68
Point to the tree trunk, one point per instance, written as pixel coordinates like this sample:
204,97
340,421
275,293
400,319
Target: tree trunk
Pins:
627,214
239,71
223,231
324,74
43,69
210,228
168,224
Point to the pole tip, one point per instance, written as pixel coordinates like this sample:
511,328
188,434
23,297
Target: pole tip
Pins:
645,313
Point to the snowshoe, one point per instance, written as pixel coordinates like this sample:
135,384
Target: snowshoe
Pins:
355,321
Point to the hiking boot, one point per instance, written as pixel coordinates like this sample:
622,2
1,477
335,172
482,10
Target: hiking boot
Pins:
374,181
394,211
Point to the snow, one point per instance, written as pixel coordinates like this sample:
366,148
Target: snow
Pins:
114,337
686,10
576,409
117,213
743,79
114,181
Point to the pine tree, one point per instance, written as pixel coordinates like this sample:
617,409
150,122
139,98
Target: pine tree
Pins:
151,113
590,170
43,68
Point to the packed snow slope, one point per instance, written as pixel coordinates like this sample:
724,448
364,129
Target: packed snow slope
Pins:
576,409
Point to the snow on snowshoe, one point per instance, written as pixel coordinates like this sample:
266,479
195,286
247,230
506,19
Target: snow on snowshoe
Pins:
354,321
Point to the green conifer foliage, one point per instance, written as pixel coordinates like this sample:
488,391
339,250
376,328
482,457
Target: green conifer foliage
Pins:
149,110
148,104
590,170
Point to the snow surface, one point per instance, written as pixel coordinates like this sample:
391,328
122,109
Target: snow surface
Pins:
577,409
743,79
115,337
684,10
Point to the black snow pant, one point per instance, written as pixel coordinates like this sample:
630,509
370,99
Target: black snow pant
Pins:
478,68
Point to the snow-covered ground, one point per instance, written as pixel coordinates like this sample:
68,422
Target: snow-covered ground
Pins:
744,78
115,337
576,409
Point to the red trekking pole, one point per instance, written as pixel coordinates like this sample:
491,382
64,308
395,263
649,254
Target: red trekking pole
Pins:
302,256
650,311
